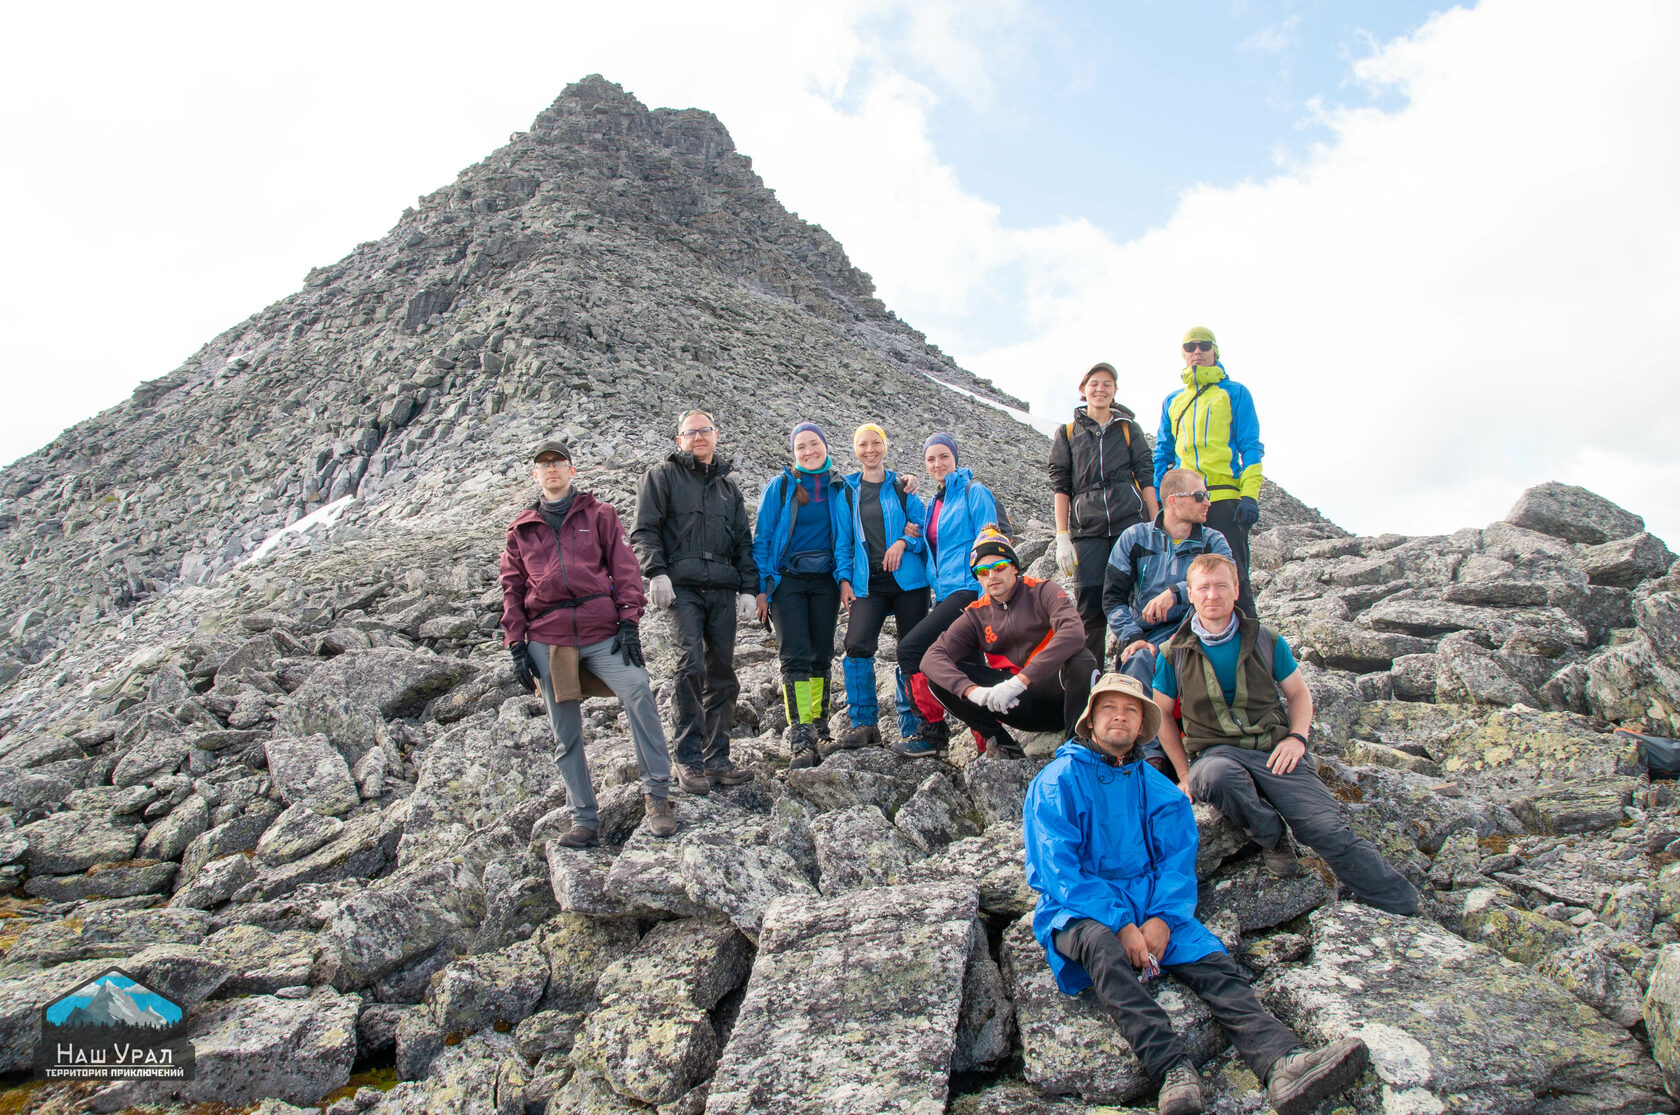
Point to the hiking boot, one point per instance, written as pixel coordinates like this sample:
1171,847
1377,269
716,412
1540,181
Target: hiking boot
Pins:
693,780
1282,862
1181,1091
862,735
578,836
1300,1081
802,741
730,775
1003,746
932,738
660,820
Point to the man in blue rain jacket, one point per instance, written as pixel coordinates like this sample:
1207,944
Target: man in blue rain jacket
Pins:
1111,850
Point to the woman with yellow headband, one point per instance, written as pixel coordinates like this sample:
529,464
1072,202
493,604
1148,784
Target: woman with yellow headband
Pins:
883,571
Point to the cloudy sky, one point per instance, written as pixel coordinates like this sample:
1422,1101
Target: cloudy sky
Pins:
1433,243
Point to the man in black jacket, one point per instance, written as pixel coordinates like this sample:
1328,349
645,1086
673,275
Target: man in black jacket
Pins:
694,541
1104,479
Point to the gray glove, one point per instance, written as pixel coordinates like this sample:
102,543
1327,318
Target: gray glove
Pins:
1066,556
660,592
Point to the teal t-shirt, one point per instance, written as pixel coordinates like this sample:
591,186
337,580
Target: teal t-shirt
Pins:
1224,659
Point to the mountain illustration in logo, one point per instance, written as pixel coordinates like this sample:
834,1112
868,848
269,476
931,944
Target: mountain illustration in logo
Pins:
114,999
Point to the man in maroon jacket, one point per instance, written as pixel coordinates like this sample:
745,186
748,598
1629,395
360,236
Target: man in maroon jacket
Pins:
571,602
1015,656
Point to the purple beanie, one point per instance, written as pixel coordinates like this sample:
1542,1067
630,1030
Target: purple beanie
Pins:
946,440
802,427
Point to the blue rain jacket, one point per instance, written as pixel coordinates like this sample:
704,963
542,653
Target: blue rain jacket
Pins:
851,549
775,524
1115,844
968,507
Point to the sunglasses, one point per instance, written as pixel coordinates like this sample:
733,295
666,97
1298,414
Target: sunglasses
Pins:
1192,346
1199,497
987,568
698,431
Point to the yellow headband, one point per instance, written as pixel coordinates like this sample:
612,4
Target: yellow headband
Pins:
870,426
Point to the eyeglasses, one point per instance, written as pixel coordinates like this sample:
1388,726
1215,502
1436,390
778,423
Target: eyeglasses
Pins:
999,564
1192,346
553,462
1199,497
698,431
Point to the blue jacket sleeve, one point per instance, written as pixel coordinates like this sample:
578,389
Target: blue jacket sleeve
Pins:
916,510
1246,446
1166,451
1054,866
764,537
845,535
1119,581
1173,834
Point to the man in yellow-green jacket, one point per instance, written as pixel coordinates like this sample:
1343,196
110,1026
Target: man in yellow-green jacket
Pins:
1209,426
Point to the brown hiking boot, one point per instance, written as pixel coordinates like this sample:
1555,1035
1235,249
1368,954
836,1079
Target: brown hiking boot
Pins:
861,735
730,775
1300,1081
578,836
1282,862
660,820
1181,1091
692,780
802,741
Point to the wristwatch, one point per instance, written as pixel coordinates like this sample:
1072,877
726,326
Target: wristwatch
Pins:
1299,736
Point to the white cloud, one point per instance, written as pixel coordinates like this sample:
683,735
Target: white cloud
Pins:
1273,40
1438,307
1443,305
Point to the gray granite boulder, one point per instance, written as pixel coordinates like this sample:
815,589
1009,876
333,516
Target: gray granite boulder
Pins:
1451,1022
857,847
475,992
852,1007
1573,514
308,770
71,842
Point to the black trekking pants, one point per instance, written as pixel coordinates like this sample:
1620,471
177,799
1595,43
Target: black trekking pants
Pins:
911,647
1260,1039
806,609
1053,705
1222,517
907,606
704,701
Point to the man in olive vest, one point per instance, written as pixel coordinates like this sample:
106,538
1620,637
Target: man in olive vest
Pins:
1221,675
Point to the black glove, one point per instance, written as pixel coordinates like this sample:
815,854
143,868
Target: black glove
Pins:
1248,511
524,668
628,643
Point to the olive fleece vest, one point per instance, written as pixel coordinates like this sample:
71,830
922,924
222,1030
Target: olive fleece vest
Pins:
1255,717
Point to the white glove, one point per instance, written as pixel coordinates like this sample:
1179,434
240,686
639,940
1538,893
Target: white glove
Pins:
746,607
660,592
1006,695
1066,556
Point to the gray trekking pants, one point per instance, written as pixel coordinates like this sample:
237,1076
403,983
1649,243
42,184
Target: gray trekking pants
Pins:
1235,781
630,685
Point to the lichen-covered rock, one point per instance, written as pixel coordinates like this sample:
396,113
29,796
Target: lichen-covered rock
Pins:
215,882
261,962
1596,980
1259,899
22,995
852,1007
578,949
652,1037
169,837
1070,1044
987,1021
296,832
375,930
246,1049
70,842
1573,514
936,814
1661,1011
387,681
1451,1024
107,933
857,847
998,787
476,991
1483,915
105,880
993,863
308,770
481,1075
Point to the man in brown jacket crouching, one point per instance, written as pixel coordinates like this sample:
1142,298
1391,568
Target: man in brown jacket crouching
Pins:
1015,657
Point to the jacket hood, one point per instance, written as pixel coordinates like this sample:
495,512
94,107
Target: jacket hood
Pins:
1120,411
581,501
1081,752
683,458
1201,377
